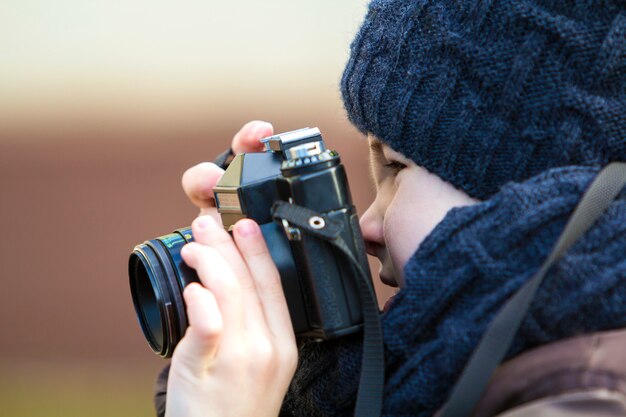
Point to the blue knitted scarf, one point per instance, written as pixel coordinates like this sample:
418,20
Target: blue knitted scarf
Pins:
457,280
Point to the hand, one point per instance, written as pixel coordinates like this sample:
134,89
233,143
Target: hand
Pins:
198,181
239,354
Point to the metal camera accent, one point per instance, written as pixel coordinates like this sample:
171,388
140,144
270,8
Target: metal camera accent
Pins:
320,284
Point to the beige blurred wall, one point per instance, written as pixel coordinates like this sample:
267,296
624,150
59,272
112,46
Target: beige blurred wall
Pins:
169,62
103,105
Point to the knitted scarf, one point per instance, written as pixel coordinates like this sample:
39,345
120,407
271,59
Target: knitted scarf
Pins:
459,278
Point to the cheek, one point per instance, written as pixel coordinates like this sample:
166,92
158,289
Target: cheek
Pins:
410,216
401,228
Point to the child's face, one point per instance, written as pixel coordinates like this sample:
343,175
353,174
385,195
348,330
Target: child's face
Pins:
409,203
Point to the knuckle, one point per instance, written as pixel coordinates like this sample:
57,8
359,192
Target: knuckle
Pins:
210,211
210,231
204,167
198,182
208,253
264,356
225,286
274,285
270,284
247,285
239,136
207,257
181,359
219,237
291,358
248,137
189,252
235,358
194,172
209,333
257,248
288,353
265,351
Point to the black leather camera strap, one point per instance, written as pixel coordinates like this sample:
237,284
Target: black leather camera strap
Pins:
224,159
372,379
498,337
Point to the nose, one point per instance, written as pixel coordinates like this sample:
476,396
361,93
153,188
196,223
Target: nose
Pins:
372,230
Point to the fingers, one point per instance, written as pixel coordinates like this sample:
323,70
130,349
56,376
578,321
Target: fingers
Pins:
199,346
198,182
248,138
266,278
260,304
208,232
218,277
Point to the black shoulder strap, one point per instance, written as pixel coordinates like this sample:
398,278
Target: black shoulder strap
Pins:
224,159
372,379
499,335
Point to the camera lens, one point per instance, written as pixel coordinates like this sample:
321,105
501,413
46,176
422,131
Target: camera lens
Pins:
158,276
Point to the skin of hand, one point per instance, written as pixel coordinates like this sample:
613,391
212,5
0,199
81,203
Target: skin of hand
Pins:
238,354
199,180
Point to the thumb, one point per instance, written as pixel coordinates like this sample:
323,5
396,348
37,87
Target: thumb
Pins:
198,347
248,139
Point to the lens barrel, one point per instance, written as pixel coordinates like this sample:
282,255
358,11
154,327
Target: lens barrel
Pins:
158,276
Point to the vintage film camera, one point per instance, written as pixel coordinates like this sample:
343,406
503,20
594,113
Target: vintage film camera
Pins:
319,281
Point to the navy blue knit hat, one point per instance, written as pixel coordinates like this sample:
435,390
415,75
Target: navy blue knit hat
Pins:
486,92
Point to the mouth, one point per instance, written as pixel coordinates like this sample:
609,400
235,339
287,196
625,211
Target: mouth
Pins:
388,281
387,275
391,282
389,303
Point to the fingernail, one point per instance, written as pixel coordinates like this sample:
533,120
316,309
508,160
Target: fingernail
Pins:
261,130
192,288
246,228
201,223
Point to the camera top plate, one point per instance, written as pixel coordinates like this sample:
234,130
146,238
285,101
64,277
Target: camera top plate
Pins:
287,140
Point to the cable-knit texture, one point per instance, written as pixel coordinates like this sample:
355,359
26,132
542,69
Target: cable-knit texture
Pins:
486,92
462,273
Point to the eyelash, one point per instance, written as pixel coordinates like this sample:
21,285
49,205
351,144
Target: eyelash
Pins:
395,166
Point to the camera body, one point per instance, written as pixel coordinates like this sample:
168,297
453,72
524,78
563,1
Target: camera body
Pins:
319,282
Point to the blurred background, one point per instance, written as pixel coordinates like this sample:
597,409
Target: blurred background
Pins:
103,105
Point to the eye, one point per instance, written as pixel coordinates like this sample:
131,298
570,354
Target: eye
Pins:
395,166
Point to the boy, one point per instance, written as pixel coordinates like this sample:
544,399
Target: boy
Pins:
486,123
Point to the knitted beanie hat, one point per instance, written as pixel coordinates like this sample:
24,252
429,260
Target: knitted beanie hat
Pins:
486,92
